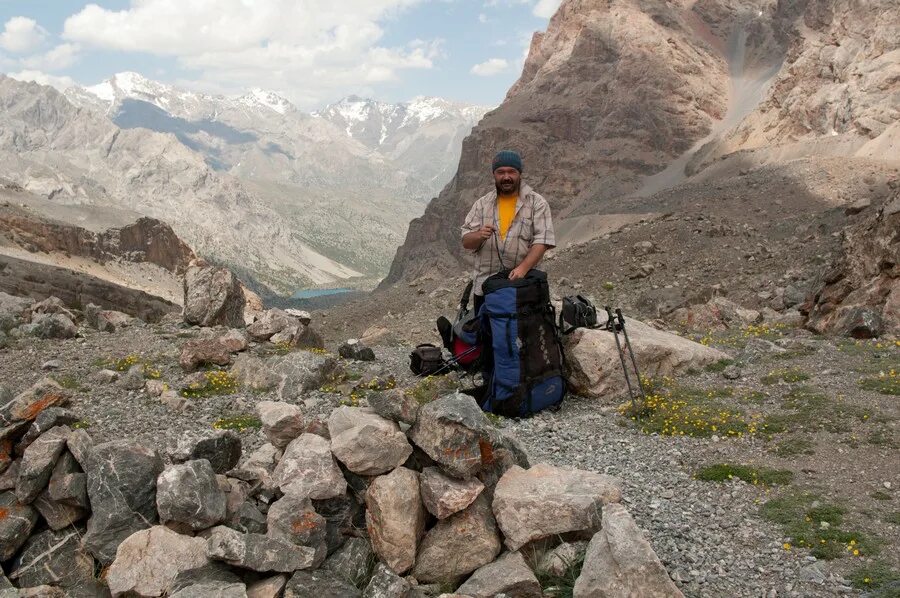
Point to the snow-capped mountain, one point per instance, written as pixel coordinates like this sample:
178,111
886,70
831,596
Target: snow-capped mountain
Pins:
345,181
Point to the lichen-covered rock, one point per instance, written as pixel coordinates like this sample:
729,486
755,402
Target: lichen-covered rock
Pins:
522,496
294,519
28,404
395,518
17,521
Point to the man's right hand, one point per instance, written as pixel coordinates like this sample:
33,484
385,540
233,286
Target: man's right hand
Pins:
485,232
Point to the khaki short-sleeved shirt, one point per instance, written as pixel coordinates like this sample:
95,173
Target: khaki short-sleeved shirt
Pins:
531,225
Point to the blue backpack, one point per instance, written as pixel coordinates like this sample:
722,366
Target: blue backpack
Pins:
523,357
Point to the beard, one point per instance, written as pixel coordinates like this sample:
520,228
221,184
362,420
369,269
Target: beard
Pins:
508,188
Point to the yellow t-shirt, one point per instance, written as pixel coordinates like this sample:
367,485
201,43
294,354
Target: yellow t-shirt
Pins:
506,209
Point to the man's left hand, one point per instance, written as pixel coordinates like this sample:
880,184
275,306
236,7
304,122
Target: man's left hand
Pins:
518,272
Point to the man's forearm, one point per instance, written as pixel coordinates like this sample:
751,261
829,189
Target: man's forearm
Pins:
533,257
472,240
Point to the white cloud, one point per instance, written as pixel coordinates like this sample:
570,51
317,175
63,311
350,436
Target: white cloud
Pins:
482,18
310,49
490,67
60,83
545,8
60,57
21,34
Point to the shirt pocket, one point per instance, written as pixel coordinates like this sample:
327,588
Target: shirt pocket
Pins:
526,229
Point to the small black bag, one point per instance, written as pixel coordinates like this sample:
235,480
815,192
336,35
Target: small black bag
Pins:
577,312
426,360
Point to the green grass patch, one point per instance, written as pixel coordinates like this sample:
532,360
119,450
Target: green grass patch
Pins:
812,524
893,518
81,424
239,423
789,375
675,410
882,436
719,366
754,396
608,286
873,576
555,585
886,383
791,447
808,409
216,382
69,382
792,354
764,476
881,495
430,388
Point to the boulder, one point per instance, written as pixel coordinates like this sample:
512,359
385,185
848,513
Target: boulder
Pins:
51,326
269,323
68,484
522,496
365,442
294,519
270,587
189,494
14,311
9,476
46,419
258,552
352,561
147,561
289,376
133,378
354,349
319,584
222,448
203,351
53,558
758,349
106,320
394,404
17,521
50,306
31,402
308,469
455,433
61,514
509,575
212,296
121,484
395,518
282,422
235,340
38,461
443,495
458,545
620,562
210,580
595,369
387,584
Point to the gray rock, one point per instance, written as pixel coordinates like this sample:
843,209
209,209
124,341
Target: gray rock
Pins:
51,305
9,476
365,442
257,552
270,587
561,559
757,349
190,494
148,561
352,562
271,322
731,372
522,496
308,469
282,422
51,326
354,349
213,580
212,296
16,525
53,558
64,501
81,446
14,311
105,376
294,519
443,495
394,404
387,584
458,545
454,432
620,562
289,376
106,320
121,481
46,419
38,461
395,518
221,448
133,378
507,575
52,364
319,584
248,519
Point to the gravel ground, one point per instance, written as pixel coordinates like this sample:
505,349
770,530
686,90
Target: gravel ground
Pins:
709,536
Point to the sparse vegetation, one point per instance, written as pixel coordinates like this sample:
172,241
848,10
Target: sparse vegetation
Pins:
887,383
763,476
239,423
719,366
789,375
430,388
561,586
873,576
791,447
69,382
880,495
218,382
809,409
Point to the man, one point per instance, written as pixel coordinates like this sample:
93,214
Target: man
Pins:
509,228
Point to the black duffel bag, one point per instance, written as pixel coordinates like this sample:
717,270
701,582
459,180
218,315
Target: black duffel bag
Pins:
426,360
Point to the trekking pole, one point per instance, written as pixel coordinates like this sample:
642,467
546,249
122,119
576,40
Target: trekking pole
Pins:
611,325
631,353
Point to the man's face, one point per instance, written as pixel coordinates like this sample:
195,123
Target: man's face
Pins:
506,178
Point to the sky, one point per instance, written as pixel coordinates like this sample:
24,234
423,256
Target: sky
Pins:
313,52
